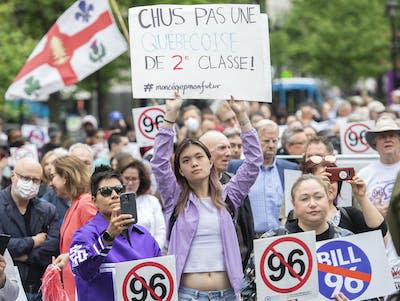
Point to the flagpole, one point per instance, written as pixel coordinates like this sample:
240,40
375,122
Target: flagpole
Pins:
120,19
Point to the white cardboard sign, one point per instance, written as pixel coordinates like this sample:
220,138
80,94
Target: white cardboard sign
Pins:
147,279
201,51
354,266
286,267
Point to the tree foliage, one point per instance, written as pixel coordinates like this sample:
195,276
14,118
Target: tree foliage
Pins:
340,41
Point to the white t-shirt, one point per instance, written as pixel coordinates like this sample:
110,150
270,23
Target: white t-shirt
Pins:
151,217
380,179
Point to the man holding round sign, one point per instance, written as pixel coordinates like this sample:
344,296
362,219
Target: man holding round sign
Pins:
311,204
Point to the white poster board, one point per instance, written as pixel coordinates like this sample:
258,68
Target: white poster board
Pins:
37,135
201,51
352,137
147,279
286,267
147,121
25,151
354,266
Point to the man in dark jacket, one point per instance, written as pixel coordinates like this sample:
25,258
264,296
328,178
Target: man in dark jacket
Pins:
31,223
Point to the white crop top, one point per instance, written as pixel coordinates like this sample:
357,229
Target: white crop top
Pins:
206,252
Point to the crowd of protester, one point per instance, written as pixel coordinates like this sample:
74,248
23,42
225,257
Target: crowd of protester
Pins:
213,182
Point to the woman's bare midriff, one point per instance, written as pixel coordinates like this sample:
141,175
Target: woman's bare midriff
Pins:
209,281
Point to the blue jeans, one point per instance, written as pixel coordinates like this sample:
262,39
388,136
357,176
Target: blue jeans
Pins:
189,294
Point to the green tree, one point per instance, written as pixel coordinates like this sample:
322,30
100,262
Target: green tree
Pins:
340,41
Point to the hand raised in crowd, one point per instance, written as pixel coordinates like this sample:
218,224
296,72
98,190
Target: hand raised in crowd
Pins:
173,106
359,187
38,239
119,222
237,106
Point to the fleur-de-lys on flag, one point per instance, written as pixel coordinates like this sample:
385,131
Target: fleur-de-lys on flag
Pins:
83,39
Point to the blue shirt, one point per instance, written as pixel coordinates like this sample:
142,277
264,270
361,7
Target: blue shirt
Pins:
266,197
90,258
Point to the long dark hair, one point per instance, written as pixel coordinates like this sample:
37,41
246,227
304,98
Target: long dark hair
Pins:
215,187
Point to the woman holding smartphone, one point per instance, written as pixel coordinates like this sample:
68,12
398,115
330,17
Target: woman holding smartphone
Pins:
203,237
110,237
317,157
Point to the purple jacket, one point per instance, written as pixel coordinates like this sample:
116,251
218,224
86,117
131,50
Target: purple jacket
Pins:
91,260
185,227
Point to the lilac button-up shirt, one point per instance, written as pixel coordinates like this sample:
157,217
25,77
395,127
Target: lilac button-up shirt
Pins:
185,227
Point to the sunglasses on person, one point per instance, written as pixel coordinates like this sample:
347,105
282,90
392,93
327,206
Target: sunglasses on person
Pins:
318,159
107,190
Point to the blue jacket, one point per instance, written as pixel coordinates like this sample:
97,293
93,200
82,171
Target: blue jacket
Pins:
280,164
43,219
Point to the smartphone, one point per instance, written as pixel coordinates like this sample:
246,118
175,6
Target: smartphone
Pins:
340,173
128,204
4,239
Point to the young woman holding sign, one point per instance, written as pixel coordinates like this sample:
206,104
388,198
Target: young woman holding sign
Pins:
203,237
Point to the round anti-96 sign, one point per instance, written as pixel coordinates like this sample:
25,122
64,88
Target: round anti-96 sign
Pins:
146,280
352,137
147,122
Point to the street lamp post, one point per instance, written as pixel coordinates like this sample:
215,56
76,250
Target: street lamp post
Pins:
392,7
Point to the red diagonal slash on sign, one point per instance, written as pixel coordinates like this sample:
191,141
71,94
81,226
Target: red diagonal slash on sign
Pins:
287,265
344,272
146,286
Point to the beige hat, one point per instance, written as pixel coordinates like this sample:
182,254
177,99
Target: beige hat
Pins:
383,124
376,106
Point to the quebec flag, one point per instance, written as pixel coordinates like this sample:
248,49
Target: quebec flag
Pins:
83,40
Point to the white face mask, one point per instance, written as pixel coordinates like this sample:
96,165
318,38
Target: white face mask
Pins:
26,189
192,124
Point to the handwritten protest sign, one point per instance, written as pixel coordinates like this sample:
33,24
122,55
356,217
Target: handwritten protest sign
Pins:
201,51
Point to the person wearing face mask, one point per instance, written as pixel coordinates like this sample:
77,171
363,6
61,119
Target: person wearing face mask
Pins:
31,223
191,117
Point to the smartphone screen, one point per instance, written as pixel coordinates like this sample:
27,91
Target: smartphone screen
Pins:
4,239
128,204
